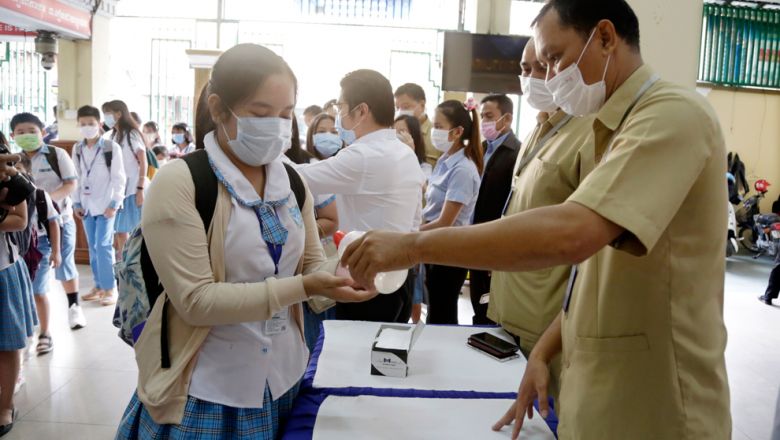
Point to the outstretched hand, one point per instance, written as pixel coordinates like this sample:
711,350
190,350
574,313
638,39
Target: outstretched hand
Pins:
378,251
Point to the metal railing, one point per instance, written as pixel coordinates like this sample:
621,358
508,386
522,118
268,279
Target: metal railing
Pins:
24,84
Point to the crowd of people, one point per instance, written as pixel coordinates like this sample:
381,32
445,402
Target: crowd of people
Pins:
564,243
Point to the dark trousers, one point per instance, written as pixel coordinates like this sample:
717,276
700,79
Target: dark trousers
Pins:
480,285
773,289
444,284
393,307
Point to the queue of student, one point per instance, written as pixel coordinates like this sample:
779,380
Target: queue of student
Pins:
605,281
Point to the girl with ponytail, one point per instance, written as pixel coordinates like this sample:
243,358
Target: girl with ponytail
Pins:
452,194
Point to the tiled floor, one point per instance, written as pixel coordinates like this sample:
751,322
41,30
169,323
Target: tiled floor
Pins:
80,390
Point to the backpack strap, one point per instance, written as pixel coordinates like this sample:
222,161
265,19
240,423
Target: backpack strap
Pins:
41,208
54,162
206,190
296,184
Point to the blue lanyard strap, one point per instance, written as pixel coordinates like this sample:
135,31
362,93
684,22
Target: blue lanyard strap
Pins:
89,168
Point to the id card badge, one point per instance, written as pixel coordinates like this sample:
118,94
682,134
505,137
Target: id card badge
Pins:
279,323
569,289
87,190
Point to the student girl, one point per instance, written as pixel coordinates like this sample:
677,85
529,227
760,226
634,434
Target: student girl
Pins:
234,324
452,193
17,309
126,133
152,134
182,139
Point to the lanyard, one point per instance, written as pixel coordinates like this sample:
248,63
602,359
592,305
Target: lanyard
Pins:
532,154
94,159
274,250
645,87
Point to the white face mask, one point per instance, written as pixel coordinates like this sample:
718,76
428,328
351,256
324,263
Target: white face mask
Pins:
405,113
440,140
260,141
89,131
570,92
537,95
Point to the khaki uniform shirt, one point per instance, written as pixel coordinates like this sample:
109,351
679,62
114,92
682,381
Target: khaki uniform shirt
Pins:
432,155
644,338
525,303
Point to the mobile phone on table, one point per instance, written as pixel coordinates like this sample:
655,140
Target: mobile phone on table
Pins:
493,346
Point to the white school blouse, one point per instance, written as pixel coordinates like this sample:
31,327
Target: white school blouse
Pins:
237,361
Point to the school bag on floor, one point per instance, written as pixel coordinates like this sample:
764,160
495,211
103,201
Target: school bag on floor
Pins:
138,284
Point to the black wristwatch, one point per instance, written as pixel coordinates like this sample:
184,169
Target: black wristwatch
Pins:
139,188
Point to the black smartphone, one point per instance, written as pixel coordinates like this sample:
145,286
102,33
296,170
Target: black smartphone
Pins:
494,342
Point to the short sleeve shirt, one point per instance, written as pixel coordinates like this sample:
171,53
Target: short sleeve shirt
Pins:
49,181
131,144
455,179
643,336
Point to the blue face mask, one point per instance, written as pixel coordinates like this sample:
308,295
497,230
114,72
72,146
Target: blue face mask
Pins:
109,120
178,138
327,144
348,136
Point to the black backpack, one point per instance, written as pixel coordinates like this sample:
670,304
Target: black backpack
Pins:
108,155
206,190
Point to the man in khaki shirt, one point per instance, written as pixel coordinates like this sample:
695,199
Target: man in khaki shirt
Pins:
410,100
641,332
556,157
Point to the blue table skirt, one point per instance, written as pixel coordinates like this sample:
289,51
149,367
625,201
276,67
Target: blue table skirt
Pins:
304,415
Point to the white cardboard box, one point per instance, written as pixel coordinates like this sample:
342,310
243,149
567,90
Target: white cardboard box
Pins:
391,348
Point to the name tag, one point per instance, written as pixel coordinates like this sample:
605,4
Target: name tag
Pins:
279,323
87,190
45,170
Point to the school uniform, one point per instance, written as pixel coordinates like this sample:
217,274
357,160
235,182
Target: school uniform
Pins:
41,281
18,317
240,377
48,180
455,179
100,187
129,215
175,151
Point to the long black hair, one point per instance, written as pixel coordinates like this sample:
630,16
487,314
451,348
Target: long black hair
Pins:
415,131
236,75
125,124
457,115
296,153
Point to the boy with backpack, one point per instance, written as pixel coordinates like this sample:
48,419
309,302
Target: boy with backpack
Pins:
54,172
44,220
101,190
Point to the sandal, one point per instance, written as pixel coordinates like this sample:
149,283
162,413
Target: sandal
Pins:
109,298
5,429
93,295
45,345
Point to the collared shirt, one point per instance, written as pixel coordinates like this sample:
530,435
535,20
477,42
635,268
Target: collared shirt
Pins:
377,182
176,151
131,144
49,181
236,361
455,179
431,153
525,303
99,187
492,146
645,320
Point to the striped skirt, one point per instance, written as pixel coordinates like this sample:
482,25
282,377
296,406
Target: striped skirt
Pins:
17,307
210,421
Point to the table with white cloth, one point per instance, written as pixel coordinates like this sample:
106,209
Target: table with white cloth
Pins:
451,391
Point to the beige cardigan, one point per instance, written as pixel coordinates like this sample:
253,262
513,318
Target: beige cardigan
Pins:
180,251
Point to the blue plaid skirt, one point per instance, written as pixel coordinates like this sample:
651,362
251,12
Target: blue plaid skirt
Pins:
210,421
17,307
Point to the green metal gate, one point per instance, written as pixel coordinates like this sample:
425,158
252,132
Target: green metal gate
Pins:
25,86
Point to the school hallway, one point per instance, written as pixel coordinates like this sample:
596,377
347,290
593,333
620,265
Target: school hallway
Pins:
80,390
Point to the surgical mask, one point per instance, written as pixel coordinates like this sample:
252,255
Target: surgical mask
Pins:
150,137
28,142
260,141
537,95
327,144
89,131
440,140
570,92
489,130
405,113
109,120
348,136
178,138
